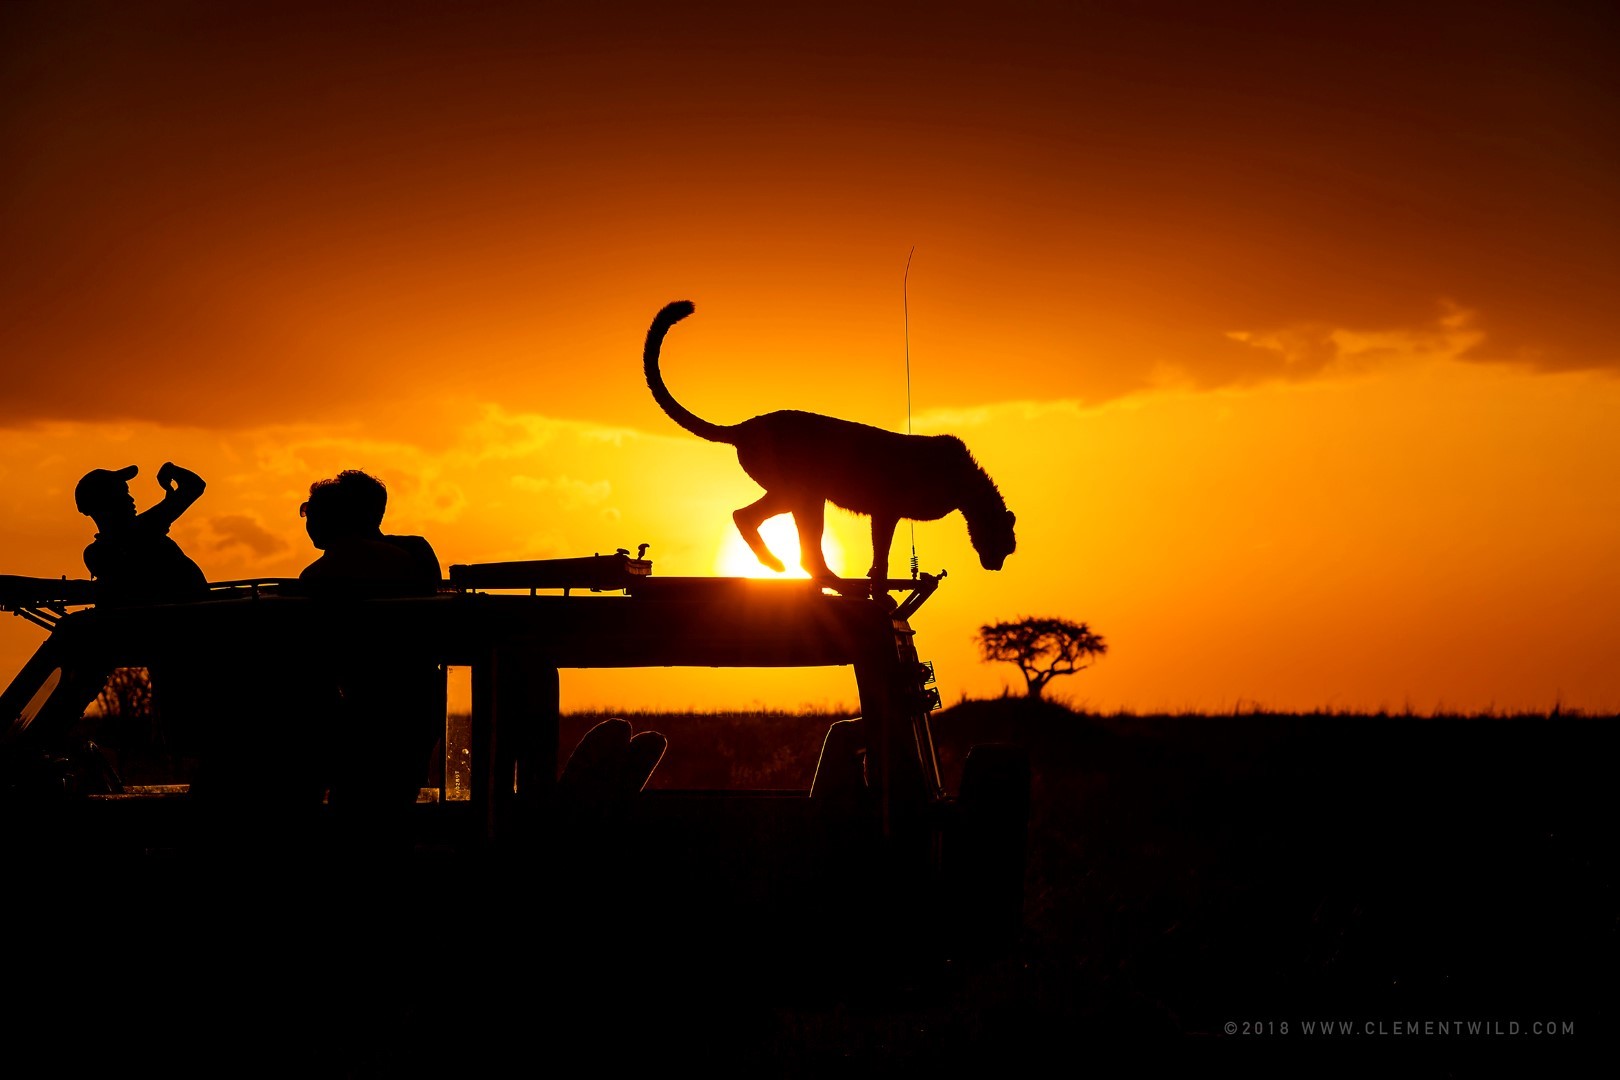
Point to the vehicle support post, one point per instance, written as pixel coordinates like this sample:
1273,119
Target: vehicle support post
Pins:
523,750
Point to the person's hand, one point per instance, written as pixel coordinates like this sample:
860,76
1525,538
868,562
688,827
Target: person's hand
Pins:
175,480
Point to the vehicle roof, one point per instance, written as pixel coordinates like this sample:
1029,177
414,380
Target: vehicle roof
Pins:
718,622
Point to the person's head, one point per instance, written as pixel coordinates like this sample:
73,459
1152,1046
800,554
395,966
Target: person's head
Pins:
103,494
349,504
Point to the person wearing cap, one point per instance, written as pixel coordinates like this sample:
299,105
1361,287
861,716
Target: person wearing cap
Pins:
133,559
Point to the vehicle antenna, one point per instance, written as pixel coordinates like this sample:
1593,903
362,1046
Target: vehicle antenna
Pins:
905,308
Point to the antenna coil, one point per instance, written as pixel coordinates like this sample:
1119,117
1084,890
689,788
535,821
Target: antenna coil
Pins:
905,309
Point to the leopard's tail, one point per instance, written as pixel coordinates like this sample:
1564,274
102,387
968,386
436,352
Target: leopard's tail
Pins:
666,318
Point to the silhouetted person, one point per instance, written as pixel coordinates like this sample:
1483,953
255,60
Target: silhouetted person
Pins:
344,519
391,713
133,559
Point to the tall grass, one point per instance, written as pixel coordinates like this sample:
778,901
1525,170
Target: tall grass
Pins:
722,749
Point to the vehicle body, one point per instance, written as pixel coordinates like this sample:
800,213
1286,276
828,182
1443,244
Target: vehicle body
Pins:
899,851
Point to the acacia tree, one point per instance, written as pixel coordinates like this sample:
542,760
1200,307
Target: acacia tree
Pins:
1043,649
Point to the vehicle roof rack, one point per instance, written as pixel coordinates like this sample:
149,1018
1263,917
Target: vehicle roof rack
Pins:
918,588
251,586
598,573
922,587
42,601
621,573
855,590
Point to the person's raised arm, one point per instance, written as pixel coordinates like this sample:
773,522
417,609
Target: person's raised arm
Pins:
181,488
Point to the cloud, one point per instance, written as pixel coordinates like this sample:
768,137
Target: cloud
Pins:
232,530
564,490
319,220
1308,351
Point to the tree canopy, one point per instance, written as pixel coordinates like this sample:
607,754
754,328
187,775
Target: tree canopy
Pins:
1042,648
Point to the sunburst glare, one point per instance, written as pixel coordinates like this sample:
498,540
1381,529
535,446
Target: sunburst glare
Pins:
734,558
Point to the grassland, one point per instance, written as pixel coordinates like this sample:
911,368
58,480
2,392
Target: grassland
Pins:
1184,873
1187,872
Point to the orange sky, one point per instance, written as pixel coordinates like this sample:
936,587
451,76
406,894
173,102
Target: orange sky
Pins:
1288,334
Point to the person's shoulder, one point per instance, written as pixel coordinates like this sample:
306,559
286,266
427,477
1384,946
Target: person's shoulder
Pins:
386,553
361,560
410,542
420,551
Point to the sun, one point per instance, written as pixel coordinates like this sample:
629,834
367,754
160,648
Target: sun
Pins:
734,559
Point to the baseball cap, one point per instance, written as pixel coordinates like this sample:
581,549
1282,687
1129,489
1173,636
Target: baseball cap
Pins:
97,484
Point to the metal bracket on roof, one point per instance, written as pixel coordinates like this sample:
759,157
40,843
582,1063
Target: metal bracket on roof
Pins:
43,601
599,573
921,587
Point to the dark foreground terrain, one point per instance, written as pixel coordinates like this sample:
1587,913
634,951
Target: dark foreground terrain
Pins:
1212,878
1188,874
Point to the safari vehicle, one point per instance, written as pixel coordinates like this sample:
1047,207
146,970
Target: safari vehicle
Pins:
881,850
